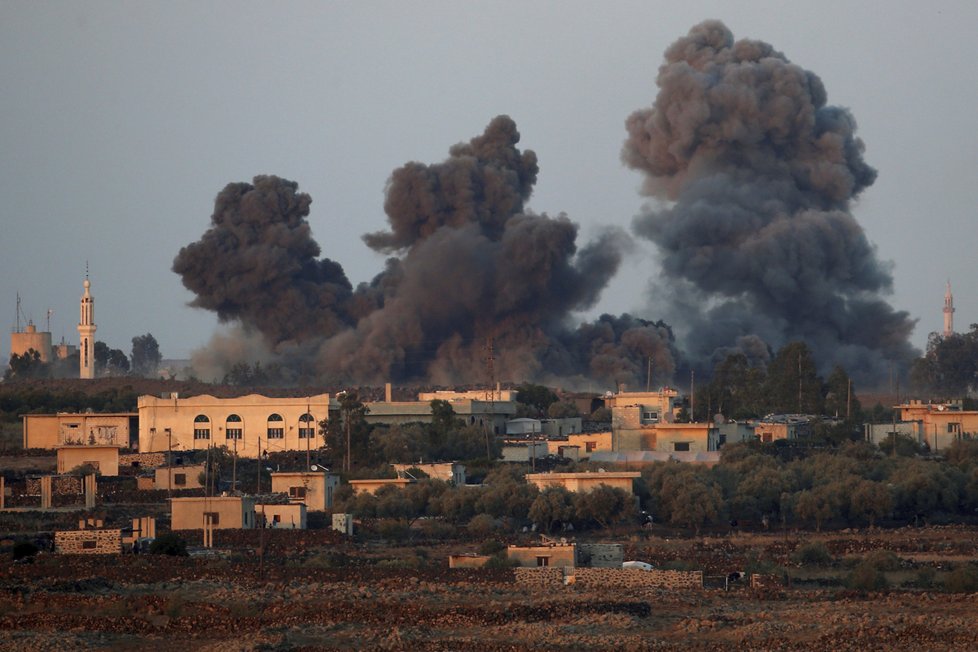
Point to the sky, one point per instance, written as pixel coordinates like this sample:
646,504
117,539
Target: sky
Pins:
121,121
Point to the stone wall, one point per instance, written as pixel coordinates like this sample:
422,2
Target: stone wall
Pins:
600,555
549,578
88,542
546,577
61,485
145,460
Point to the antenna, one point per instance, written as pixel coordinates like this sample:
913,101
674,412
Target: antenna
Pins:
48,328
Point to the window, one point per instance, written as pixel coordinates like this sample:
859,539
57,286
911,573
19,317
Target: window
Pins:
297,492
234,428
202,427
766,438
277,518
543,560
589,446
212,517
680,446
179,479
276,427
307,428
89,544
954,427
650,415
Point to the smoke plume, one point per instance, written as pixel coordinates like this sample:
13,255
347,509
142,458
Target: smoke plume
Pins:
472,273
755,174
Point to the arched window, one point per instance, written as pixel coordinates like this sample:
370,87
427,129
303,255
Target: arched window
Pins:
234,428
202,427
307,426
276,426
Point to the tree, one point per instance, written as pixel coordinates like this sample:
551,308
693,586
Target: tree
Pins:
536,396
349,435
840,398
949,368
145,355
552,506
109,361
870,500
604,505
793,385
27,365
562,410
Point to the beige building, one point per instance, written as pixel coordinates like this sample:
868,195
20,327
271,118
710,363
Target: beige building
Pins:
939,424
586,481
555,554
226,512
587,443
183,477
22,341
646,421
290,516
374,485
478,407
64,428
86,333
105,459
451,472
241,424
314,489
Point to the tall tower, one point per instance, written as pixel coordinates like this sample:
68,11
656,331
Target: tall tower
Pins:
86,333
948,311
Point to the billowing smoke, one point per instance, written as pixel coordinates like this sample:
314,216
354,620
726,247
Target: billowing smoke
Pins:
755,174
472,273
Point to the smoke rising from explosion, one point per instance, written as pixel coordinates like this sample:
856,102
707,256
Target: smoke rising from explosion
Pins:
470,267
757,239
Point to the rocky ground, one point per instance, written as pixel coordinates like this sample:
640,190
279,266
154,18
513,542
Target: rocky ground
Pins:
336,594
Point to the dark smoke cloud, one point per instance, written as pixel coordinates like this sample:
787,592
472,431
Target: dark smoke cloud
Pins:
757,238
471,267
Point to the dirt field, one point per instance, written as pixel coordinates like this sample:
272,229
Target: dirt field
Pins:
327,593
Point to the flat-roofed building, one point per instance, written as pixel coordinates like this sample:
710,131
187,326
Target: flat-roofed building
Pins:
183,477
314,489
288,516
104,459
373,485
585,481
243,424
451,472
224,512
52,430
554,554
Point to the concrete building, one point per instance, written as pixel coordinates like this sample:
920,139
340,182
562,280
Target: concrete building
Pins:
86,333
225,512
373,485
288,516
523,451
104,459
243,424
478,407
52,430
939,424
552,554
643,421
314,489
783,426
585,481
450,472
22,341
587,443
948,311
187,476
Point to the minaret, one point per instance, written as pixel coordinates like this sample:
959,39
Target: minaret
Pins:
948,311
86,333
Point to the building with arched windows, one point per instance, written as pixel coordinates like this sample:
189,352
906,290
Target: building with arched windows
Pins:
247,425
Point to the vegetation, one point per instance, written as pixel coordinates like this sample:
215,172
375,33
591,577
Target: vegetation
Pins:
146,355
949,368
168,543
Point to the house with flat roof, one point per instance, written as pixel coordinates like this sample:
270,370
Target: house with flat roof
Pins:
585,481
82,428
314,489
104,459
224,512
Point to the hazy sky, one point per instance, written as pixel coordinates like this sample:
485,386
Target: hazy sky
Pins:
121,121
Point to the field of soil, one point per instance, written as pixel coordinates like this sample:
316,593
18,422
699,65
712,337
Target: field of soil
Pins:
327,592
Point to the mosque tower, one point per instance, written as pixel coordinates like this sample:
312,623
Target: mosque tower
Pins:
948,311
86,333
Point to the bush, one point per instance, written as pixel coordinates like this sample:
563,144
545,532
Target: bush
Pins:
393,529
481,525
866,577
24,549
491,547
501,561
963,579
883,560
813,554
168,543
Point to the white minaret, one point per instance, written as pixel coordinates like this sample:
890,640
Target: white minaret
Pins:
86,333
948,311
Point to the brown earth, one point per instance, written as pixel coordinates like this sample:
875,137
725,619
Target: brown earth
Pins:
316,590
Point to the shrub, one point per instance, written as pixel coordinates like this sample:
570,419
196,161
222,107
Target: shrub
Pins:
925,577
24,549
813,554
168,543
393,529
866,577
491,547
481,525
500,560
883,560
963,579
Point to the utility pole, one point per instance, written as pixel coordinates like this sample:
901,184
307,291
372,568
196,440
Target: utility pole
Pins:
849,402
648,376
258,488
692,395
490,365
799,383
309,435
234,467
169,463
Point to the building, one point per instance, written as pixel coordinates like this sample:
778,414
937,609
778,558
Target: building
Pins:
314,489
480,407
450,472
186,476
775,427
646,421
287,516
939,424
587,443
246,425
91,538
22,341
523,451
104,459
551,554
225,512
86,333
585,481
948,311
52,430
373,485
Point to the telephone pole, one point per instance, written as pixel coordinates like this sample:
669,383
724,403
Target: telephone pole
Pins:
490,365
